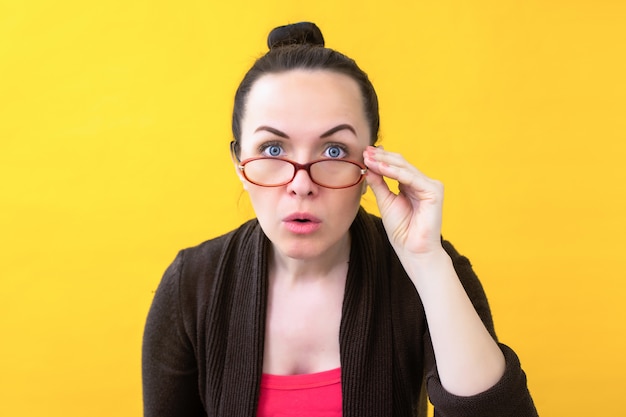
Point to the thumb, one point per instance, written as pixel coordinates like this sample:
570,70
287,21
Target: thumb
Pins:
378,186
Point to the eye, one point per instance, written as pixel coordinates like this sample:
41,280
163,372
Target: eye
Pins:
335,151
271,149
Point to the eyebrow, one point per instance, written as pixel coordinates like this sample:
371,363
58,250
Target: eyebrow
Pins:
322,136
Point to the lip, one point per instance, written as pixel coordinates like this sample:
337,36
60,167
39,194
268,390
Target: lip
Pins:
302,223
303,217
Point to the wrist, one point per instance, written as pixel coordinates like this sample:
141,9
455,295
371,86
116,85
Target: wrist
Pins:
429,267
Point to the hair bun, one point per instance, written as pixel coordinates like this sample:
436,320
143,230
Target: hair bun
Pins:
303,33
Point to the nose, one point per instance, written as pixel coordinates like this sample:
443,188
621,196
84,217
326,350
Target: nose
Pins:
302,184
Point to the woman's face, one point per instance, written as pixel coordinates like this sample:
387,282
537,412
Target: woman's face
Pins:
304,115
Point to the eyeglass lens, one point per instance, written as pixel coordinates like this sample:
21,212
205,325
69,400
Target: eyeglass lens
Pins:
328,173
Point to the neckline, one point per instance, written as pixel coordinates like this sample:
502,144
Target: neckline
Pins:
301,381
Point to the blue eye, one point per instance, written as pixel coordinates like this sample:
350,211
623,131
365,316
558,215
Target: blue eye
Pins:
272,150
335,151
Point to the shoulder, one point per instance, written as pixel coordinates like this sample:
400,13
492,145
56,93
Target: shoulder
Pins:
198,265
372,225
194,272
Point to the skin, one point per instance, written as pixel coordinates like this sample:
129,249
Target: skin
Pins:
294,111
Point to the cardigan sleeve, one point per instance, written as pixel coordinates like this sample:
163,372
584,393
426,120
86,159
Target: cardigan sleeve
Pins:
169,366
509,397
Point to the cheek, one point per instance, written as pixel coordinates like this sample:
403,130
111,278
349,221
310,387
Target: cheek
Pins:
350,202
262,199
347,199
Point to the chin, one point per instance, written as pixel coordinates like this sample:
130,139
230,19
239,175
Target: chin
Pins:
300,251
306,247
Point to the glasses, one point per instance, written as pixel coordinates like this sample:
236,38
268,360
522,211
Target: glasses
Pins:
329,173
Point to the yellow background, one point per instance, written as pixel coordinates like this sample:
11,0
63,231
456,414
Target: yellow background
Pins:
114,132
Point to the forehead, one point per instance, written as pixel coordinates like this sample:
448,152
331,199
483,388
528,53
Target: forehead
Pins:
304,99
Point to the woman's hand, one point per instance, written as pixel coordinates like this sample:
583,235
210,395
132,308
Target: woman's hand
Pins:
468,359
412,217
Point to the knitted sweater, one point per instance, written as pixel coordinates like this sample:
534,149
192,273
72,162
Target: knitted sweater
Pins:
204,336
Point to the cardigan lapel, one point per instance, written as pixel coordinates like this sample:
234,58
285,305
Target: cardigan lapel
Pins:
365,333
243,361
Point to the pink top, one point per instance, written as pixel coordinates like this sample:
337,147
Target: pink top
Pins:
308,395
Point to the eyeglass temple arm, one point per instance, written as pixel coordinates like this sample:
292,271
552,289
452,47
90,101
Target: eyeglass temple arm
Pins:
233,154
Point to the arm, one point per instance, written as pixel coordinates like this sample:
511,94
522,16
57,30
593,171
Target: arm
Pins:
469,360
468,372
169,370
509,396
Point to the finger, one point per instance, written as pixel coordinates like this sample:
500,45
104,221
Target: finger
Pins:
378,186
380,160
394,166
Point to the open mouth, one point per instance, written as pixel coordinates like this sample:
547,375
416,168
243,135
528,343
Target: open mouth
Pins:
302,223
301,218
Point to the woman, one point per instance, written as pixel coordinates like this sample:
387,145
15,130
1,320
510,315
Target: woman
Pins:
316,307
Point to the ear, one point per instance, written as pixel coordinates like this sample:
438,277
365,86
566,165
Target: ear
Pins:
235,159
240,176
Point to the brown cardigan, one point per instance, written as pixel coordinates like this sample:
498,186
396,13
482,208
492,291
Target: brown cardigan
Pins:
203,340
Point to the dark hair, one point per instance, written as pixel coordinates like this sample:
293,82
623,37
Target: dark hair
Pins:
301,46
